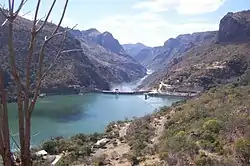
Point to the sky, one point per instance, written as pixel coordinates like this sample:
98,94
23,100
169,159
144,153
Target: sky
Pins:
150,22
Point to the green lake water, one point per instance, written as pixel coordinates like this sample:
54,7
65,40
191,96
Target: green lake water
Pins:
71,114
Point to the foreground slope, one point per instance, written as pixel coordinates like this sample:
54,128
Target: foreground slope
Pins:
212,129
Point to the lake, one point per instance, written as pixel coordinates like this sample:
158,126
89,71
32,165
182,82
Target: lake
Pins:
71,114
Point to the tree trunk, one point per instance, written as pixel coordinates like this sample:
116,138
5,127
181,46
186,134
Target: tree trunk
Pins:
7,160
27,156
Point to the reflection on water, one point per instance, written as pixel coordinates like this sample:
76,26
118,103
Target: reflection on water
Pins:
69,115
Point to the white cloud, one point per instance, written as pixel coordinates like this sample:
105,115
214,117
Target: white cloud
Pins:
148,28
192,7
157,5
186,7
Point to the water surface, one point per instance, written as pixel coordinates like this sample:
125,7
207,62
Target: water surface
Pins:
71,114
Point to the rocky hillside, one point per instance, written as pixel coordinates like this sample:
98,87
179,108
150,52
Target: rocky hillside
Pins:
109,56
157,57
84,67
72,68
210,64
134,49
105,39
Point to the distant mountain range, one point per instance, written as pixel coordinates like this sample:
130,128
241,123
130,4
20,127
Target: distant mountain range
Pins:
202,60
106,53
157,57
188,61
100,61
134,49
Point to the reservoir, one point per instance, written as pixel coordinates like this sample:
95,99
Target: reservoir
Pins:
67,115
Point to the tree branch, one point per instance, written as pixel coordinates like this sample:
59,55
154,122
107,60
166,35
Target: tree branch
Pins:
2,145
61,19
47,17
42,76
19,9
12,63
4,14
41,54
36,14
13,139
10,7
40,19
21,121
4,115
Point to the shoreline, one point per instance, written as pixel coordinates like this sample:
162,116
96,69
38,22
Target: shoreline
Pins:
148,93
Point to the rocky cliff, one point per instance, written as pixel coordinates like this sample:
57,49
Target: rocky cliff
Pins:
208,63
157,57
105,39
235,27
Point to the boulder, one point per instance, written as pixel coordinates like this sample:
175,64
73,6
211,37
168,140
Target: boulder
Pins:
101,143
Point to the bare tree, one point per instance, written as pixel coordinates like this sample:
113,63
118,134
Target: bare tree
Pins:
24,88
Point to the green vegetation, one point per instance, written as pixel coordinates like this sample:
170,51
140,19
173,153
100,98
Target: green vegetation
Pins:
243,150
139,135
206,129
77,148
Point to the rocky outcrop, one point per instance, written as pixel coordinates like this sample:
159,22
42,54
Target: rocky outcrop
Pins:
235,27
134,49
105,39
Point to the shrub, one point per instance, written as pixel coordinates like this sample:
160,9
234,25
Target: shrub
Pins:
204,161
50,147
243,150
131,157
212,125
163,155
83,151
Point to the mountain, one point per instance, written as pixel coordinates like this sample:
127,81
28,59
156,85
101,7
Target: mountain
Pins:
105,39
210,63
134,49
235,27
92,66
157,57
108,55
